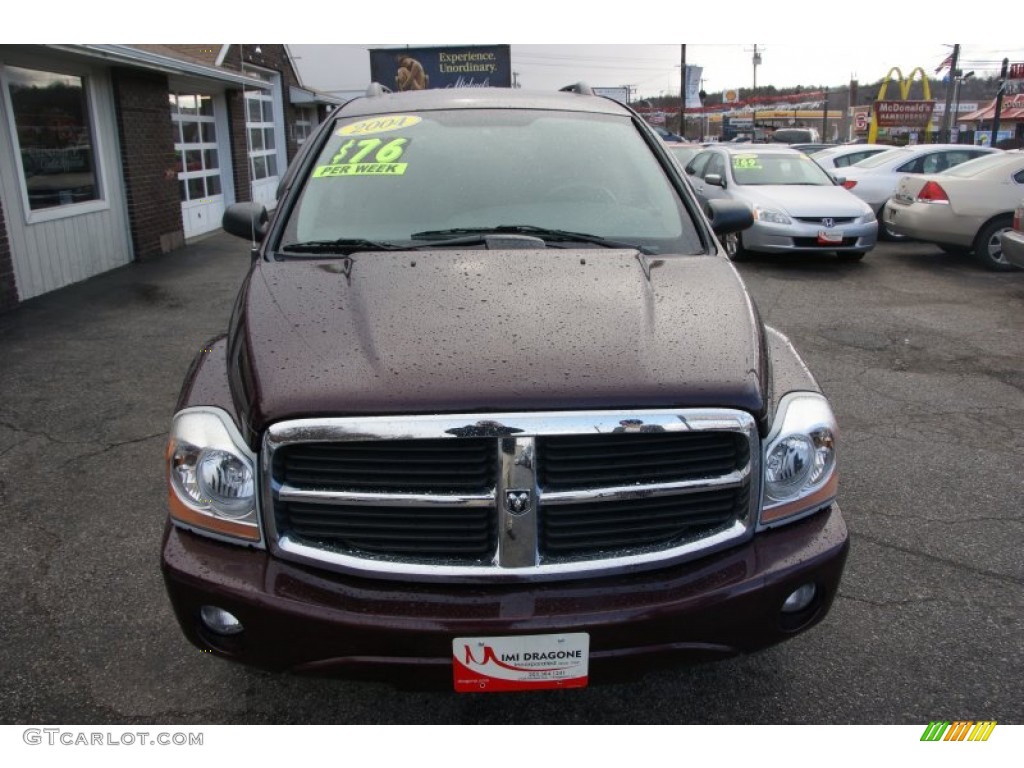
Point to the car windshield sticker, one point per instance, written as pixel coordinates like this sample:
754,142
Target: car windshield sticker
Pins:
366,157
745,162
379,125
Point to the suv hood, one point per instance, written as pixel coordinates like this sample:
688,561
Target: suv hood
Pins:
488,330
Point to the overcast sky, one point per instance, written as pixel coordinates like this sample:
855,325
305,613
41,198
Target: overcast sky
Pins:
652,69
553,44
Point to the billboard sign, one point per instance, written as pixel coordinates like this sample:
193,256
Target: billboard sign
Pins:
620,94
693,75
904,113
417,69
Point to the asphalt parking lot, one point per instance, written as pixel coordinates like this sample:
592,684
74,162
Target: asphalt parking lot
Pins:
921,353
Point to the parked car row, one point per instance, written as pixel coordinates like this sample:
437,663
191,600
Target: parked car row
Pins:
964,209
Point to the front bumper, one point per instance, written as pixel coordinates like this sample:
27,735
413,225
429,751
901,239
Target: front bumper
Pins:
929,222
1013,247
301,619
801,237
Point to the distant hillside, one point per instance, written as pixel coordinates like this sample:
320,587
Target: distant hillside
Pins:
977,89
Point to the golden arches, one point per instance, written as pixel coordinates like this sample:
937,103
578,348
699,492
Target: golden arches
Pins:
905,84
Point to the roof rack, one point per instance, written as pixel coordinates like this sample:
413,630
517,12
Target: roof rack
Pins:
376,89
581,88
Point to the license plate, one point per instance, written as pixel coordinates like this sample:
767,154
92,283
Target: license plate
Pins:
829,236
520,662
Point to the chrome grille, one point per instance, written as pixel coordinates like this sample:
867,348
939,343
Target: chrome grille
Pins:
550,495
820,220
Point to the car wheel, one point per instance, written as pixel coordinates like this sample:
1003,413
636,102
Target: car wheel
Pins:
988,250
851,255
733,245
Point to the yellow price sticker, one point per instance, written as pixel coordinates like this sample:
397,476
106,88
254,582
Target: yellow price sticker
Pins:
744,162
379,125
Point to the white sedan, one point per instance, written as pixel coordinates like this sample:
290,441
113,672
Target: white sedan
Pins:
874,180
964,209
845,155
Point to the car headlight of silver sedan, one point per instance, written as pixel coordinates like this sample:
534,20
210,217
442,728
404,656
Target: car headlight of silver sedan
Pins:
799,459
771,215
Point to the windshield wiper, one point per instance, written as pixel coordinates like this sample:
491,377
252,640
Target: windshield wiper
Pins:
342,246
547,235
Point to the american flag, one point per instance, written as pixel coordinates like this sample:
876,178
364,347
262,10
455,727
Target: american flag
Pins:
946,64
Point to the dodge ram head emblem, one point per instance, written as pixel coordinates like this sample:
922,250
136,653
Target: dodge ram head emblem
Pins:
518,501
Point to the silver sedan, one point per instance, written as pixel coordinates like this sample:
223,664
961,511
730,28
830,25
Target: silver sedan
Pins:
797,206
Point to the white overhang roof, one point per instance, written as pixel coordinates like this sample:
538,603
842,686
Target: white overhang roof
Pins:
136,57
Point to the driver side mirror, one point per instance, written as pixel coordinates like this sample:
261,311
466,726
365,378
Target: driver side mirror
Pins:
249,221
715,180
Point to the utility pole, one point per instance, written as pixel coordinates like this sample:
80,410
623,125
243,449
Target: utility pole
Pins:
824,118
753,103
961,78
949,94
682,90
999,101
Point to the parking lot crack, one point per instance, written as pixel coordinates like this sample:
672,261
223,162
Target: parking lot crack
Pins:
113,446
944,561
45,435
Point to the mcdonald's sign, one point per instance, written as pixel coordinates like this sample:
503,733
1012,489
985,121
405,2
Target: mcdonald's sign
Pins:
903,112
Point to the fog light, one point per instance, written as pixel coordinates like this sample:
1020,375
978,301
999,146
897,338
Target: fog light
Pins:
220,621
799,599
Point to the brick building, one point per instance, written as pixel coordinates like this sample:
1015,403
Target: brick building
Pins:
114,153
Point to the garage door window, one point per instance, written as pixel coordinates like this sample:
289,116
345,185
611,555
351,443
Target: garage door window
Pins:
53,129
260,124
195,140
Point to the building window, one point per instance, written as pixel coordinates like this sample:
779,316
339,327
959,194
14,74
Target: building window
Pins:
304,122
259,112
51,115
195,141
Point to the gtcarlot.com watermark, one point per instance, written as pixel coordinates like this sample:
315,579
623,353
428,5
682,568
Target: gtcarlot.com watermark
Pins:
72,738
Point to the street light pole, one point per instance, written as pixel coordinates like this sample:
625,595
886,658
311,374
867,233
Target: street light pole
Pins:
682,91
960,80
753,103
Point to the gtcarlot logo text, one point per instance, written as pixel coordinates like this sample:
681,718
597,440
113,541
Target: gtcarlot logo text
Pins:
71,738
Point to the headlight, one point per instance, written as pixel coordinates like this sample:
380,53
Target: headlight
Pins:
868,217
799,458
211,475
771,215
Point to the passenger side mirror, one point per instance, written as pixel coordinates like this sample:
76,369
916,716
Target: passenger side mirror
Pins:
249,221
715,180
729,215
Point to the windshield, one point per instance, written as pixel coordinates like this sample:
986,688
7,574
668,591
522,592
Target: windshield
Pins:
763,168
390,178
883,157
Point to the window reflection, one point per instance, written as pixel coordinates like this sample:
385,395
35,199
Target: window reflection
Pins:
51,118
